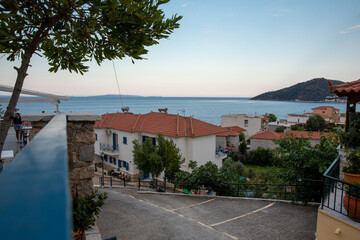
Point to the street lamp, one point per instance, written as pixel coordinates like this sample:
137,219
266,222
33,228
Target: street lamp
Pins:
102,160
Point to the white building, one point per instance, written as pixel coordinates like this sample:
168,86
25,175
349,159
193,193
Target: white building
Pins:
293,119
251,123
197,140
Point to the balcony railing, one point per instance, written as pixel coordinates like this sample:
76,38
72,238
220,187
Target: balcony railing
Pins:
109,147
335,191
35,200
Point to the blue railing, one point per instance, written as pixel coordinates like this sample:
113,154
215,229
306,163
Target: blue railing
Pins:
35,200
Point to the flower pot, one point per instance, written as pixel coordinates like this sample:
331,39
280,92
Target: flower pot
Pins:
352,178
352,206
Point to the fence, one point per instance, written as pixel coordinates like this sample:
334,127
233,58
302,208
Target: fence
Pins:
250,190
338,195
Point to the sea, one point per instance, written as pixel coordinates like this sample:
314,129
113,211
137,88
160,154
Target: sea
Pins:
207,109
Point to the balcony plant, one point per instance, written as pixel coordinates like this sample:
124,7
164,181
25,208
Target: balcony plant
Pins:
351,201
85,211
352,169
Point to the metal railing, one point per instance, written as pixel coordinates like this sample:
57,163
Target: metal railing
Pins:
109,147
35,200
338,195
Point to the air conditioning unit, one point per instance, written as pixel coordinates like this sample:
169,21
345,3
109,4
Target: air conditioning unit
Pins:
108,131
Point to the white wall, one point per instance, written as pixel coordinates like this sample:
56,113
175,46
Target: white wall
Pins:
255,123
264,143
295,119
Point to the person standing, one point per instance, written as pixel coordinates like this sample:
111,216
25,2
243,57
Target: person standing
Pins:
18,127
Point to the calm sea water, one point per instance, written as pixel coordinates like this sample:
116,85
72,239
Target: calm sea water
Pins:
206,109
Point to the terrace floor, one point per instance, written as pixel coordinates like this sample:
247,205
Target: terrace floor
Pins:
128,214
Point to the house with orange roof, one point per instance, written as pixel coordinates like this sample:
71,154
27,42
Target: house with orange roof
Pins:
329,113
197,140
265,139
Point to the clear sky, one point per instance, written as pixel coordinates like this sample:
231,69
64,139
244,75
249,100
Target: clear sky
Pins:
229,48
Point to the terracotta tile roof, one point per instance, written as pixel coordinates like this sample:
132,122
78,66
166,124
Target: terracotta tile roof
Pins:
266,135
324,108
167,124
236,129
271,135
345,89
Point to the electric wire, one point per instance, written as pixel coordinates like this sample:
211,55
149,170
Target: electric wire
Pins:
117,82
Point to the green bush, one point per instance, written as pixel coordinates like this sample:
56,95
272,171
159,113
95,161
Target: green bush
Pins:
86,209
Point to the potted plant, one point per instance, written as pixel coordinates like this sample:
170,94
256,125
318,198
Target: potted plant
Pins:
352,169
351,201
84,212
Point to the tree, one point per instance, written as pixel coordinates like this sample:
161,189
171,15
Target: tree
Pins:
315,123
70,33
271,116
280,129
154,159
170,157
301,161
146,158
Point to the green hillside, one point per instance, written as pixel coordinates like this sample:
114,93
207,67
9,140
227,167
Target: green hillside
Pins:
313,90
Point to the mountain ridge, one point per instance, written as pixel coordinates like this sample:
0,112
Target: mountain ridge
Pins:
314,90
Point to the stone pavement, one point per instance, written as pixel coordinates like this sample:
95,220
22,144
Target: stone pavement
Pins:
128,214
11,144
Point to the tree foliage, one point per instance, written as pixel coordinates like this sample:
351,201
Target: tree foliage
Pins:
154,159
315,123
70,34
271,116
301,161
280,129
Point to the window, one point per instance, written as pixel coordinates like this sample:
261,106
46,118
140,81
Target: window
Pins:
124,140
110,159
246,122
96,137
124,164
119,163
105,158
115,141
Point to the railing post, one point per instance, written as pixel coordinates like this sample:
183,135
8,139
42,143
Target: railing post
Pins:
110,182
124,181
139,183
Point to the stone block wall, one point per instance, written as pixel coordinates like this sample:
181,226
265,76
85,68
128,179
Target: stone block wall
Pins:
80,139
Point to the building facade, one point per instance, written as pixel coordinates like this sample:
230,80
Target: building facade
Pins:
197,140
251,123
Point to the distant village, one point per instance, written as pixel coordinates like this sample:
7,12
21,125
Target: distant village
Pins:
197,140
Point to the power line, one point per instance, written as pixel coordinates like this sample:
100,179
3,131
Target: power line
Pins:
117,82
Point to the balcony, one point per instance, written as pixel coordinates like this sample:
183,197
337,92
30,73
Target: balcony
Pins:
334,221
109,149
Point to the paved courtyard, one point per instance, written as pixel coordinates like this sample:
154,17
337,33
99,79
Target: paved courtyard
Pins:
128,214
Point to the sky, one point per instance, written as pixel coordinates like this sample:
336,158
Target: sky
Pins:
229,48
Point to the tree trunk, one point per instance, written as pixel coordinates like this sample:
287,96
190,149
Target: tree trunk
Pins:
10,110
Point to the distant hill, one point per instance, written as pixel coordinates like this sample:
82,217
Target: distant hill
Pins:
315,90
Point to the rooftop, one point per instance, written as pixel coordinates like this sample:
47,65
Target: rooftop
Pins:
167,124
271,135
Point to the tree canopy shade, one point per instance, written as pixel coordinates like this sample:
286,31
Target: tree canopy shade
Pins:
70,33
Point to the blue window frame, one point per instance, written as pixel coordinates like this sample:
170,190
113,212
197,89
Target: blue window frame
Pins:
110,159
119,163
127,166
124,140
96,137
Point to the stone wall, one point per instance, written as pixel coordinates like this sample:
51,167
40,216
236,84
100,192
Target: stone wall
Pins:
81,139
